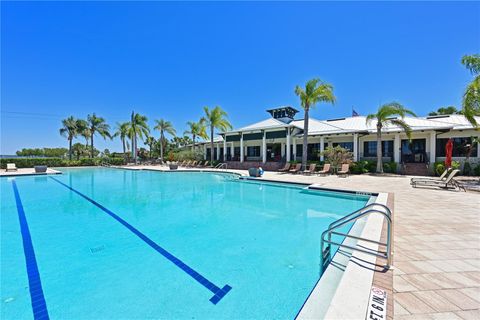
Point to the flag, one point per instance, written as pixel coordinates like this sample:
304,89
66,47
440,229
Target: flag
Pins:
354,113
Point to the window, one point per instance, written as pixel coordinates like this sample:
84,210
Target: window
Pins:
345,145
313,151
253,151
460,147
236,151
370,148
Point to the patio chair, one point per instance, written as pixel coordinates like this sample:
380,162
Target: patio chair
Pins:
296,169
442,177
444,184
285,168
311,169
344,171
186,164
325,170
193,164
11,167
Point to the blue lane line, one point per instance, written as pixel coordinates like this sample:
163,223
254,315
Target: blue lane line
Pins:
218,293
39,305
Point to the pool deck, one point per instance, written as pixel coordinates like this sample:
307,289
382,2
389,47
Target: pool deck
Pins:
26,172
436,244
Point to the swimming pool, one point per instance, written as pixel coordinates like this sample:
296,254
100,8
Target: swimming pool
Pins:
110,243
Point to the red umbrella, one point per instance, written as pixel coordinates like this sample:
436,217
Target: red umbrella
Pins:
448,153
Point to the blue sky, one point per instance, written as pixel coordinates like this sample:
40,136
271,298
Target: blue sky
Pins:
168,60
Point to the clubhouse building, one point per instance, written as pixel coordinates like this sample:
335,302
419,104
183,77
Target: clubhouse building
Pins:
278,139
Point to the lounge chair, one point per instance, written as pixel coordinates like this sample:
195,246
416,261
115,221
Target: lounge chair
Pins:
187,164
296,169
325,170
193,164
11,167
442,177
344,171
311,169
286,168
205,165
445,184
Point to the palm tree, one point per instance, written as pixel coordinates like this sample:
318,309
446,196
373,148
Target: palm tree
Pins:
69,130
123,133
388,114
97,125
315,91
83,130
150,141
471,97
215,118
164,127
138,127
79,150
197,129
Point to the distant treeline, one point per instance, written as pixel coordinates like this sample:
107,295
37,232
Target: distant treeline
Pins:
43,152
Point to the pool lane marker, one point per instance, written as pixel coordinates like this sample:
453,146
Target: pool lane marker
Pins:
218,293
39,306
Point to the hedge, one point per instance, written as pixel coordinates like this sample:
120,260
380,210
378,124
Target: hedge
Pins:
58,162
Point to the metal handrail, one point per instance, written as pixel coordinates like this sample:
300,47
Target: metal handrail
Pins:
220,165
326,252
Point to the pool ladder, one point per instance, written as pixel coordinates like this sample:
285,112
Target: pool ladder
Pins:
326,239
221,165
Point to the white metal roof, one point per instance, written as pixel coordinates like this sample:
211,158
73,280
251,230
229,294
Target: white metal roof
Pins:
269,123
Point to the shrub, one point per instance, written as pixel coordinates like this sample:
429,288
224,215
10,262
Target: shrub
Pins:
439,167
363,166
476,170
337,156
390,167
58,162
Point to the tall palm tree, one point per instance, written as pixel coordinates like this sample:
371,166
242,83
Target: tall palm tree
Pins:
197,129
150,141
215,118
138,128
97,125
315,91
164,127
122,131
471,97
388,114
69,130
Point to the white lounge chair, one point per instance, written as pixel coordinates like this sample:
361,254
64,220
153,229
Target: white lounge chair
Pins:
344,171
11,167
442,177
445,184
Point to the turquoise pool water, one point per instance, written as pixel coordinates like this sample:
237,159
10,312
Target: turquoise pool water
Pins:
119,244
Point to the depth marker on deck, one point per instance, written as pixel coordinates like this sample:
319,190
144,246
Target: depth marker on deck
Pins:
218,293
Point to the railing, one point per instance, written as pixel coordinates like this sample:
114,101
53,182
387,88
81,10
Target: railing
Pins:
325,256
221,165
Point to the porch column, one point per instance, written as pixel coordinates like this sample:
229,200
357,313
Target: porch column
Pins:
432,149
241,147
322,144
294,149
218,151
355,147
224,148
205,151
288,145
232,151
264,147
396,148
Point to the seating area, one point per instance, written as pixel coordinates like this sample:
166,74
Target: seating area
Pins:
313,169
